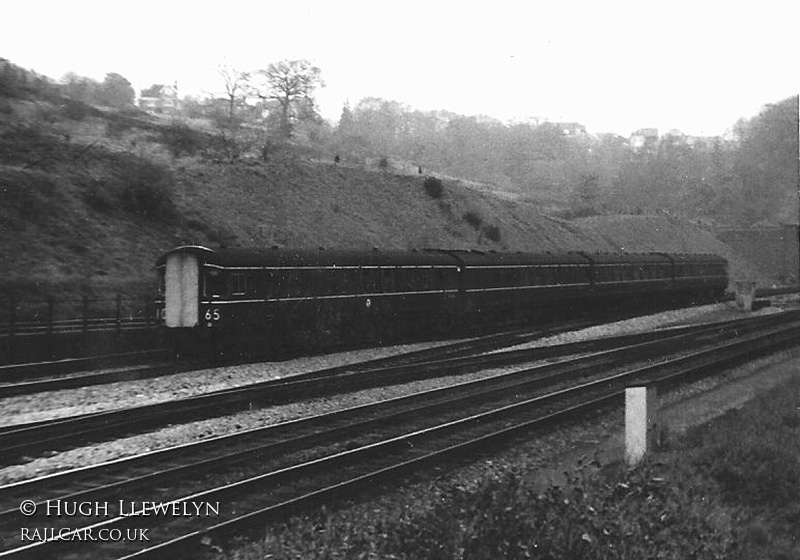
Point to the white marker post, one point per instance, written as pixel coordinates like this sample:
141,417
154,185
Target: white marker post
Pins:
745,294
640,422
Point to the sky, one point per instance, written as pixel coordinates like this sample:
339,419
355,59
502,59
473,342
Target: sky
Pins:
611,65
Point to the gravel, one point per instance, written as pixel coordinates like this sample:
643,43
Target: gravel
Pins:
134,393
98,398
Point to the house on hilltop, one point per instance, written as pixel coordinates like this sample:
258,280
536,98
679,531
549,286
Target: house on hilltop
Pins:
159,98
643,137
571,128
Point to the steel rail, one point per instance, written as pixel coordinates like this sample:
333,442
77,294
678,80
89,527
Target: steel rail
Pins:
86,428
594,393
324,426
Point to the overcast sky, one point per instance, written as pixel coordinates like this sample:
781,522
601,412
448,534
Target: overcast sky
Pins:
614,66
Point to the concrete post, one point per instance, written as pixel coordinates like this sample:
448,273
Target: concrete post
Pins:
641,416
745,294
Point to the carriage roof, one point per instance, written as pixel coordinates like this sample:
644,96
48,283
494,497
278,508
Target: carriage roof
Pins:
279,257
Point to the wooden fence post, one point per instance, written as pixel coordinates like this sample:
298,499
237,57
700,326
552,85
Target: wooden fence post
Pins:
119,315
51,306
12,327
85,304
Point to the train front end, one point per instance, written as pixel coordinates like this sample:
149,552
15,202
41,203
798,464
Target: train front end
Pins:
179,299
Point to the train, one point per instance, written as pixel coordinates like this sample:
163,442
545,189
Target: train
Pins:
273,298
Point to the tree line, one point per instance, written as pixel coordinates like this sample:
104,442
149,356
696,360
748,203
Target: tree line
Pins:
748,177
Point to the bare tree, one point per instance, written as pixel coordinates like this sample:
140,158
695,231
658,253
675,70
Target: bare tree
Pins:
291,83
235,84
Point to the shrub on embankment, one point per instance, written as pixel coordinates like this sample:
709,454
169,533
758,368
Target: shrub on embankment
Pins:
729,490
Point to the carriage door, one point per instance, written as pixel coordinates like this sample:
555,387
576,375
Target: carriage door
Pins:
181,290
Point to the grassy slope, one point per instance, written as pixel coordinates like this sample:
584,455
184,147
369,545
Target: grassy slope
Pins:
68,226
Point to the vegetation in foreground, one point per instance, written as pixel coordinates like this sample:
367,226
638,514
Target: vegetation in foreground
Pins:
730,489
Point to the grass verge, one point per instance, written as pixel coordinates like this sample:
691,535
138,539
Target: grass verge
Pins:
728,489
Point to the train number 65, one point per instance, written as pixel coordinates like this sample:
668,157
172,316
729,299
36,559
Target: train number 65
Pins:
212,314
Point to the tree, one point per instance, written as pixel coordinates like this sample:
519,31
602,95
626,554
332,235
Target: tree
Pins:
235,83
116,91
153,91
290,83
766,162
345,127
81,88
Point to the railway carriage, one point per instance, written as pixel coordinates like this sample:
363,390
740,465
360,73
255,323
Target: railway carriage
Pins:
312,297
498,286
699,278
632,278
275,297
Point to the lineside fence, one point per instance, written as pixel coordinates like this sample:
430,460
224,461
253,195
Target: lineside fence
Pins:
48,329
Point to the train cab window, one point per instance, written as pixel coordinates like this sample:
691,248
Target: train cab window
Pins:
238,283
214,284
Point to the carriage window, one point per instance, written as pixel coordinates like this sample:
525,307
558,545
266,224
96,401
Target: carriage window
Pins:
238,283
388,281
368,281
214,285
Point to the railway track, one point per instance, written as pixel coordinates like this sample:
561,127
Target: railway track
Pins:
34,370
307,461
37,377
20,441
29,378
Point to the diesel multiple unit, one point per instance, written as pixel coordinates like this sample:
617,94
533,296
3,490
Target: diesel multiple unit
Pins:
278,296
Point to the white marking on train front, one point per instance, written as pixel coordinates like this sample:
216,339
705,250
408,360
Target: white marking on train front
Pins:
181,297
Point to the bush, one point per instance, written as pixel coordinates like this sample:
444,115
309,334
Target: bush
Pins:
133,185
147,190
223,147
492,232
76,110
383,163
31,194
644,515
434,187
473,219
31,146
181,139
117,127
97,195
755,467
